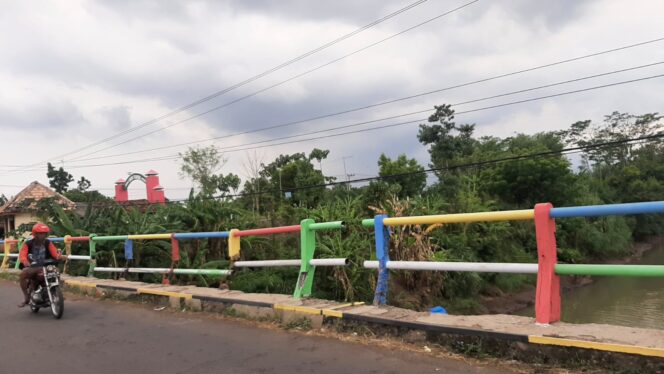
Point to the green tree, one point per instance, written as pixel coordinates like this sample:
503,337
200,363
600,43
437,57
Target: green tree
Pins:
319,155
529,181
449,145
202,165
291,175
58,179
3,200
83,184
412,183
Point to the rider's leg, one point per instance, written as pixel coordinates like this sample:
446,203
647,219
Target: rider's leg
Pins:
24,280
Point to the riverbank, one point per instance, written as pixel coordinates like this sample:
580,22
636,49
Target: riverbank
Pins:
516,303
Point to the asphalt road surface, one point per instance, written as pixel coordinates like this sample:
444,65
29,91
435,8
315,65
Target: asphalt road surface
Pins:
104,337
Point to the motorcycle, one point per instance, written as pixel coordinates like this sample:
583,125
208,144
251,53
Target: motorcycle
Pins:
46,290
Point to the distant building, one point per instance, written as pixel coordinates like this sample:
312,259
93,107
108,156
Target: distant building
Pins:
22,208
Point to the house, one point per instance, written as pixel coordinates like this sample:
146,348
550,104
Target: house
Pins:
21,209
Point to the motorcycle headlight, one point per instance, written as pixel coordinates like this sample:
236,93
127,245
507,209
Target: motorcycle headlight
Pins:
50,268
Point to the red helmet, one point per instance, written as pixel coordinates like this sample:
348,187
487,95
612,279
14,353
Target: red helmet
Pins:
40,227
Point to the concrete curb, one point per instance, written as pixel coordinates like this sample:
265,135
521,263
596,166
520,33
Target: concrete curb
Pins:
344,314
338,312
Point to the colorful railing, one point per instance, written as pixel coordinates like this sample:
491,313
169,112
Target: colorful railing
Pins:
547,304
8,244
307,229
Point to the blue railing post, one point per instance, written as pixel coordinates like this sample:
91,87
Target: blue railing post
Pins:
382,234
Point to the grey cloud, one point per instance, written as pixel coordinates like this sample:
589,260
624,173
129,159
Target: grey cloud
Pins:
48,115
551,14
342,10
288,9
118,117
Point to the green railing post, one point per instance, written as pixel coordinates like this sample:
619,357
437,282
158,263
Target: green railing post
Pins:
307,248
93,255
18,246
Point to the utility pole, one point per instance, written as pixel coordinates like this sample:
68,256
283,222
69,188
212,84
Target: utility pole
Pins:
346,172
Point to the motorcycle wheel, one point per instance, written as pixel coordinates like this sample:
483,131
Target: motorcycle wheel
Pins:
34,309
58,304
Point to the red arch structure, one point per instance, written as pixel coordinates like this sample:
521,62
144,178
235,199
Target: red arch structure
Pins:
155,192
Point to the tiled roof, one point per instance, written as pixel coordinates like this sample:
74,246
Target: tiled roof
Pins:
26,200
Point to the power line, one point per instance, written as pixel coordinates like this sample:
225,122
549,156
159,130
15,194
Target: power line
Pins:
287,124
564,151
172,157
251,79
242,98
468,165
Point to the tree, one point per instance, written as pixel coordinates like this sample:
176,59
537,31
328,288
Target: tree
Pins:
449,144
410,185
530,180
3,200
79,196
201,165
319,155
616,127
288,173
58,179
83,184
228,183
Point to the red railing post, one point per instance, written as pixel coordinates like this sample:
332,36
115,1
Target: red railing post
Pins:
547,299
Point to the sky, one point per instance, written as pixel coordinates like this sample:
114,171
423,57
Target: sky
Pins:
75,73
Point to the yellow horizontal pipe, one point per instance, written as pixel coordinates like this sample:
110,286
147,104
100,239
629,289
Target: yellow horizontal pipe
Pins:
80,284
631,349
150,291
341,306
298,309
149,236
333,313
508,215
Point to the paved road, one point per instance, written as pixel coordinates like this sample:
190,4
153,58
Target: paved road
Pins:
105,337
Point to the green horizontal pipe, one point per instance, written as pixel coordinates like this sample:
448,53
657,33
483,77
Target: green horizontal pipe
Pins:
327,225
611,270
105,238
369,222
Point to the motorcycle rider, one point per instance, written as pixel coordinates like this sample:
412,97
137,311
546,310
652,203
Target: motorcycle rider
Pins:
41,250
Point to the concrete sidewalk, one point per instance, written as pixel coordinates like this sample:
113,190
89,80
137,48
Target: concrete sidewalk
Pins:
645,342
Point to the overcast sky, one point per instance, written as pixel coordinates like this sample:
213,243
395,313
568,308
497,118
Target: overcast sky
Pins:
75,72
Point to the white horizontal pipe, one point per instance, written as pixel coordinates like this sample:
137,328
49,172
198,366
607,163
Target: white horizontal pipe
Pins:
12,255
165,270
329,262
77,257
480,267
278,263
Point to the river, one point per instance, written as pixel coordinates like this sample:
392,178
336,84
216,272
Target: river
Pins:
634,302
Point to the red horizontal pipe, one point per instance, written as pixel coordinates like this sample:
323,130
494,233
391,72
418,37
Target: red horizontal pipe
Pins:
11,241
269,231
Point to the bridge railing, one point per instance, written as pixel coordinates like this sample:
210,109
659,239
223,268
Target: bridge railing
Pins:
548,270
10,244
306,262
307,229
547,303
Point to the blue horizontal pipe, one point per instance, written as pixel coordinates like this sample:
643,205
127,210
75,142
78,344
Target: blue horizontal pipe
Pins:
56,240
201,235
608,210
